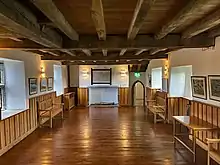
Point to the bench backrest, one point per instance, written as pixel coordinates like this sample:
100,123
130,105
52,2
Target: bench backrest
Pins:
45,104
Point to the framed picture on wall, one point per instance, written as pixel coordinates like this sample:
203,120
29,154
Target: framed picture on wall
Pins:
214,87
50,83
199,87
43,84
32,83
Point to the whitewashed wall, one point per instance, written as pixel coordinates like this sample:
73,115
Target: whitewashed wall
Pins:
117,79
203,63
32,64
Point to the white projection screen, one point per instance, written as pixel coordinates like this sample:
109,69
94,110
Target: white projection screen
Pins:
101,76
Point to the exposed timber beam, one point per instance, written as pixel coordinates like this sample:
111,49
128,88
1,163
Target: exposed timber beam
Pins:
140,13
105,52
203,25
141,42
111,56
87,52
140,51
118,42
154,51
98,18
112,62
193,11
53,13
122,52
18,19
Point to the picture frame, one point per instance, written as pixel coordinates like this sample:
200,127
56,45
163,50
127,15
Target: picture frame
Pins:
214,87
199,87
33,86
50,83
43,84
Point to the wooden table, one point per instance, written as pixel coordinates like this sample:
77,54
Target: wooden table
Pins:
195,125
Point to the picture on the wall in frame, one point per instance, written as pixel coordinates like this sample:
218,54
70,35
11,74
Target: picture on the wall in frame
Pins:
32,86
199,87
43,84
50,83
214,87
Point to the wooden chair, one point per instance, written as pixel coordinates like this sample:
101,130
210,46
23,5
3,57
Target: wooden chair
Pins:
212,153
47,110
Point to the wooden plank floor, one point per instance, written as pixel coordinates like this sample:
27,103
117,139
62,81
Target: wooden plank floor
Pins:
99,136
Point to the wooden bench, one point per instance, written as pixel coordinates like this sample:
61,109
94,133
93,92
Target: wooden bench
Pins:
48,109
158,106
212,153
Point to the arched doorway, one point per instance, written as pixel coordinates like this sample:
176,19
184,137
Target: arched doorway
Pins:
138,93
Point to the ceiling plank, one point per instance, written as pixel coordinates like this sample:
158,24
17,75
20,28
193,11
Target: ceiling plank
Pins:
140,13
105,52
122,52
111,56
87,52
98,18
140,51
53,13
203,25
191,10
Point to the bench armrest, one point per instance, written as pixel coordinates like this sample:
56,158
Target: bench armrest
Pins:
158,106
44,110
212,140
58,103
151,100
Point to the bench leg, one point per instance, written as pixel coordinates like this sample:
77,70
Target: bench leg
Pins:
155,118
51,120
62,114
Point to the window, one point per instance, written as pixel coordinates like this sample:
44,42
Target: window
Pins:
2,86
180,81
157,78
58,80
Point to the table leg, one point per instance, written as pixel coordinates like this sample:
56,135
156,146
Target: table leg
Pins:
174,133
194,145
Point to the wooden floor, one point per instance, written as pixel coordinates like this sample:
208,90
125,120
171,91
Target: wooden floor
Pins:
100,136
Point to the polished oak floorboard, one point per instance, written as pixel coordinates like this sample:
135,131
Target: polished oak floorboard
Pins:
99,136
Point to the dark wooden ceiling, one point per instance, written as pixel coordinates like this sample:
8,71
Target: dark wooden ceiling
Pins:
107,31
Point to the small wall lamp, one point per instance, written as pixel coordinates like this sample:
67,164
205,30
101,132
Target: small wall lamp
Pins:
123,73
166,69
42,72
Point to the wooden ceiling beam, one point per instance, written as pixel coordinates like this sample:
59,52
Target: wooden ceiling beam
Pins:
154,51
16,18
112,62
105,52
140,13
193,9
87,52
111,56
141,42
203,25
140,51
122,52
98,18
20,20
118,43
51,11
